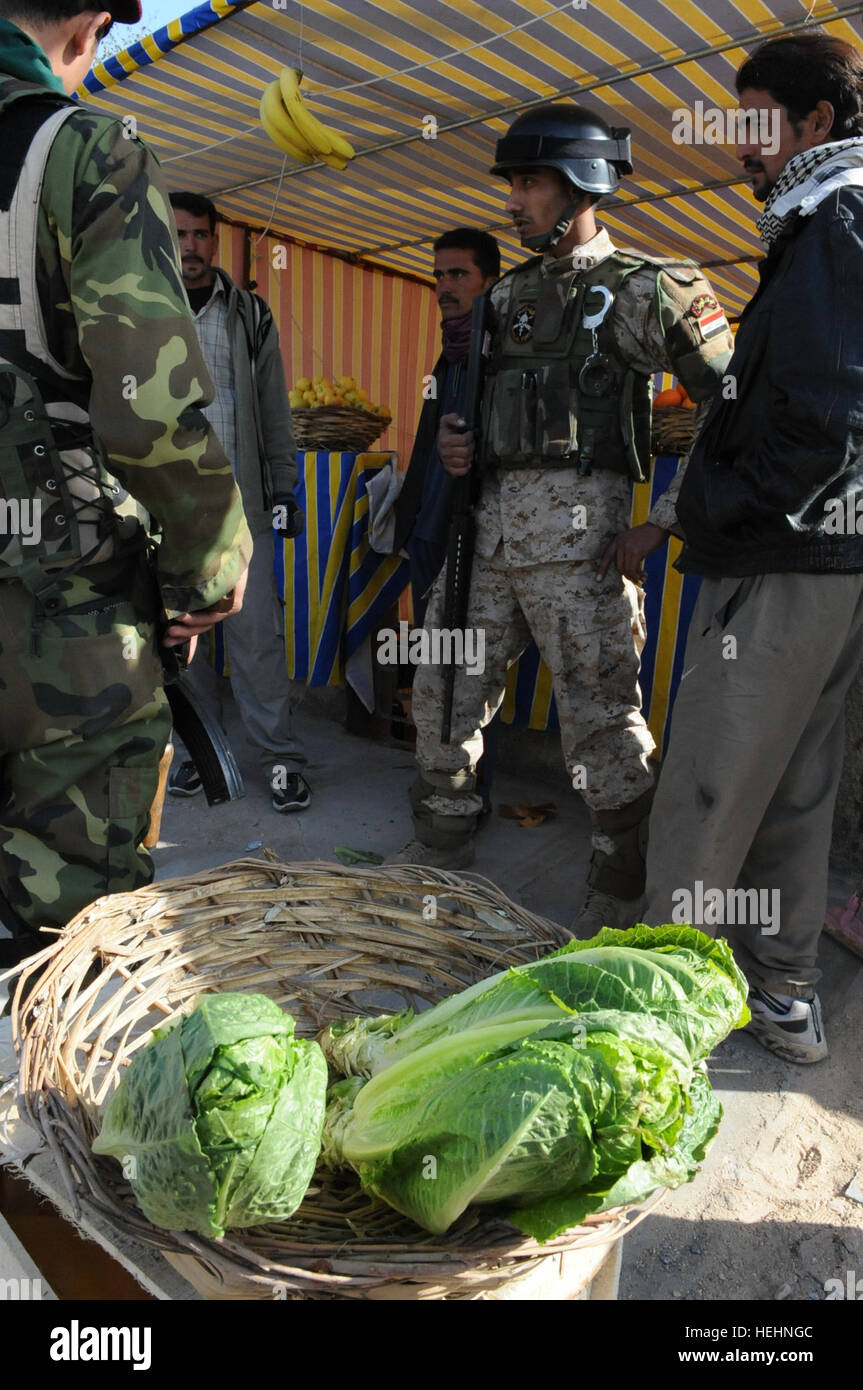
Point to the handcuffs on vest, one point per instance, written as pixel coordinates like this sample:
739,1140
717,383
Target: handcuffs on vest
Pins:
596,375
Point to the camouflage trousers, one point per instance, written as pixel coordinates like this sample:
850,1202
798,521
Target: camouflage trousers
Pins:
589,633
84,720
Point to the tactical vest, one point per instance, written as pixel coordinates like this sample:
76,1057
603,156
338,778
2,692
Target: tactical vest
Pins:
57,496
540,408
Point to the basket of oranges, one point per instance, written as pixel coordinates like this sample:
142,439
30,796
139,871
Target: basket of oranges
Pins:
673,422
335,415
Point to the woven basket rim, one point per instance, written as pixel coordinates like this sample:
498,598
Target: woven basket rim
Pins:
339,412
158,949
331,427
673,429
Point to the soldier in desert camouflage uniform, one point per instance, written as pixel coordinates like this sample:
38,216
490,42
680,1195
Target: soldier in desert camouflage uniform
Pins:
101,384
565,430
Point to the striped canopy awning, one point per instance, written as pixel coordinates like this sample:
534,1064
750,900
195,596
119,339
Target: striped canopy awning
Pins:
424,90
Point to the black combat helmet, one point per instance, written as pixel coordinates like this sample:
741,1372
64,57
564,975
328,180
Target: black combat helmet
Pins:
560,135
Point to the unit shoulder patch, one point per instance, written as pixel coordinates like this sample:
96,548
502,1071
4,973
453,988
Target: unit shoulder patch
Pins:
521,323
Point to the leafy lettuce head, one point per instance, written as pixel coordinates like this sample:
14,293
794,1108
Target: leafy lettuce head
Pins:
557,1088
675,973
218,1120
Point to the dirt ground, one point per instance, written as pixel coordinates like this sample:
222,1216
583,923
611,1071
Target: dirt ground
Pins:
767,1217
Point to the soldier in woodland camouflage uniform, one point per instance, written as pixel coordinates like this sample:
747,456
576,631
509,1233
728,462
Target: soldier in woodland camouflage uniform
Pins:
101,384
565,430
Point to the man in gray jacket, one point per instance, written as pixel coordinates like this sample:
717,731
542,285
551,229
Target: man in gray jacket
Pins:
252,417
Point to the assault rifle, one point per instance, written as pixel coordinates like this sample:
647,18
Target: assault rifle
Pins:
459,553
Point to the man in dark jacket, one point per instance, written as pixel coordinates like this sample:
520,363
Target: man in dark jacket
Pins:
466,263
741,825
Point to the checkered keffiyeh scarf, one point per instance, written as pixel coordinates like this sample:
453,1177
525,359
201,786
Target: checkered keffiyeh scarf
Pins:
799,180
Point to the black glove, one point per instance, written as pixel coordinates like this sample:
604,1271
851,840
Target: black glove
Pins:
288,520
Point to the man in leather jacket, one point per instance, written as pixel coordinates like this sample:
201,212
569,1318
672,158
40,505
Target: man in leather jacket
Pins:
741,825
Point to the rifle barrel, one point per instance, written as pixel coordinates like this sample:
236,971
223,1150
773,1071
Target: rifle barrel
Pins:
461,531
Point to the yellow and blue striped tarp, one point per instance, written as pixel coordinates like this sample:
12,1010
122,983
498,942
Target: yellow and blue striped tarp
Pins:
424,90
336,588
152,47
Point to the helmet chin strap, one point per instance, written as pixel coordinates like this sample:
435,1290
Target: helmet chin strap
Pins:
545,240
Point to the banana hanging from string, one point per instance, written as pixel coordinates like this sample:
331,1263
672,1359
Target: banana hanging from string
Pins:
279,126
292,127
327,145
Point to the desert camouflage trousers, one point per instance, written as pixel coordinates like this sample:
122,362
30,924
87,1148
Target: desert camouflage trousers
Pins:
83,722
589,633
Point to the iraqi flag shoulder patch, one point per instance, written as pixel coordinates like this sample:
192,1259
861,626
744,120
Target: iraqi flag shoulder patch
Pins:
708,316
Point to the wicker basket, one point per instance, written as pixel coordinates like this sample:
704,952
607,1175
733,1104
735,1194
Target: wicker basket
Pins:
673,429
337,427
324,942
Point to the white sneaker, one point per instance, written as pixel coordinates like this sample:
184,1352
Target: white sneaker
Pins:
791,1028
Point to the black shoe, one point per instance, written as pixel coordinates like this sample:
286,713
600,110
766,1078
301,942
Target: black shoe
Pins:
184,780
295,795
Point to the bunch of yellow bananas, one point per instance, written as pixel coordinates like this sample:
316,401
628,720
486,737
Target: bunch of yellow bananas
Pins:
292,127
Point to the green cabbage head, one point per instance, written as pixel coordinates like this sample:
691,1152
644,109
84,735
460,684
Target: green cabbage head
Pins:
217,1121
554,1089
